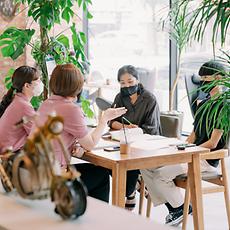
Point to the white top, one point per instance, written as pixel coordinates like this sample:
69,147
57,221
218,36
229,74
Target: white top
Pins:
17,213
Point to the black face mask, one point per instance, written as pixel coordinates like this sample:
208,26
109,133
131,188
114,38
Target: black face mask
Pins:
208,85
128,91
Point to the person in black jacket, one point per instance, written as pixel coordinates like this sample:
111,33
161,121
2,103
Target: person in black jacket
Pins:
142,111
159,181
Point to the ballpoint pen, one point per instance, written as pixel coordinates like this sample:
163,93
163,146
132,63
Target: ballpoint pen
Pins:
127,120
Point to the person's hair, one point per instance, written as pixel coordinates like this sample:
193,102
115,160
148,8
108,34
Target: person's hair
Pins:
22,75
66,80
127,69
212,68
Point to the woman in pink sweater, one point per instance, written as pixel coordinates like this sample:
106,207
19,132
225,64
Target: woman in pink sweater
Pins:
66,84
16,105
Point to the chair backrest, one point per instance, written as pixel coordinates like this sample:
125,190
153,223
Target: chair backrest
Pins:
147,78
170,126
103,104
192,83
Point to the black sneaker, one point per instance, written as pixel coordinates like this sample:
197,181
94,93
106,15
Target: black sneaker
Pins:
131,202
175,218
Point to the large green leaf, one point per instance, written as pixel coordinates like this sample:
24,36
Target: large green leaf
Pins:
64,40
36,102
79,40
85,104
14,40
66,15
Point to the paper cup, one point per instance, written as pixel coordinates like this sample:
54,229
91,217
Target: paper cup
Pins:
125,148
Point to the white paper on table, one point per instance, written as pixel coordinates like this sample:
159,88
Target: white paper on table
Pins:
133,135
130,134
106,144
156,144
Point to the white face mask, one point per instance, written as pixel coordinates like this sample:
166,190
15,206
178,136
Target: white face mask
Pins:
38,89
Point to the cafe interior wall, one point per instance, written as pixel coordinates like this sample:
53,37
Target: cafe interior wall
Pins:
7,63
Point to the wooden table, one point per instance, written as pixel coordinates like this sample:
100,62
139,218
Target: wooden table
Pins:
20,214
139,159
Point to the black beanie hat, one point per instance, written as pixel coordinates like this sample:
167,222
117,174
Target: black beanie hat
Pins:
212,68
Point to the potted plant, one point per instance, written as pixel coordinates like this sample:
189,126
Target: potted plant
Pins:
177,27
217,14
48,13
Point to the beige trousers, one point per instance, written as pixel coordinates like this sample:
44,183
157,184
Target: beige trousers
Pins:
159,182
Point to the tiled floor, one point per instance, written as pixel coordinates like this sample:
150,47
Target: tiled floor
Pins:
215,217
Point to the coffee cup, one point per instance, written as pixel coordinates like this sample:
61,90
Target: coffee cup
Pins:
125,148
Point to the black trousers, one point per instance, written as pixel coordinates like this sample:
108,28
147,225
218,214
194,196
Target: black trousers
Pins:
96,179
132,177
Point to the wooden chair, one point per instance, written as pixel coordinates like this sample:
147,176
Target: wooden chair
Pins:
219,180
141,200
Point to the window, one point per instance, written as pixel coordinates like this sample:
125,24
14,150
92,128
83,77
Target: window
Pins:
128,32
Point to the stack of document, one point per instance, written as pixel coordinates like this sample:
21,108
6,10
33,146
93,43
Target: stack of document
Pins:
149,144
133,135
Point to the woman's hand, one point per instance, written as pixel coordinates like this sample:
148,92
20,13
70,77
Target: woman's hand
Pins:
113,113
131,126
77,150
92,138
191,138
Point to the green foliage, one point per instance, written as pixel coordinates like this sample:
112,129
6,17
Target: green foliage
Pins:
218,110
59,48
8,78
85,104
178,29
47,13
198,16
14,40
207,12
218,107
178,26
36,102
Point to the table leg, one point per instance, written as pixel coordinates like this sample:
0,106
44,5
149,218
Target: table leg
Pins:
119,185
196,191
115,173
